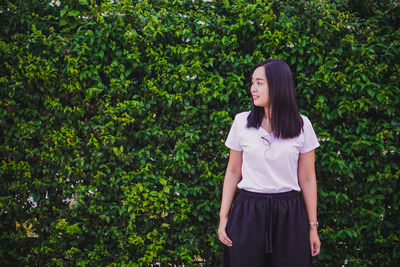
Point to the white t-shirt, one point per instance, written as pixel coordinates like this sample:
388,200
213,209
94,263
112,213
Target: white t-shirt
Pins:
269,169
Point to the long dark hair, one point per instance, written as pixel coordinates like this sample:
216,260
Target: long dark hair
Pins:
285,118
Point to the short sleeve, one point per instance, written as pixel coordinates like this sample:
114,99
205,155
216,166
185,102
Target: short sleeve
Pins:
310,140
233,141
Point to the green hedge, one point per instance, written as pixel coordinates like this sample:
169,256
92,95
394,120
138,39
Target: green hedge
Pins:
114,114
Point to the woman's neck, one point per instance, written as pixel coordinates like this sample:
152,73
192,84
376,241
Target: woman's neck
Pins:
267,113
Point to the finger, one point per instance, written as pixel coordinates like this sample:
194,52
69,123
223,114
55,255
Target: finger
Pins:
315,253
225,240
228,242
315,248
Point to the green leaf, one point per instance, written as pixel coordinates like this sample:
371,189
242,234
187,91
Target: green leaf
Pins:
74,13
63,11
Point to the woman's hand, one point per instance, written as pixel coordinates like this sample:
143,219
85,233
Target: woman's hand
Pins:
223,237
314,241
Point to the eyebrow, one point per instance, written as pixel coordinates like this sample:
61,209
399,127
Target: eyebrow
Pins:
261,79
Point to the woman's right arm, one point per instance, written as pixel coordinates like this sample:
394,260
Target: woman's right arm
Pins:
233,176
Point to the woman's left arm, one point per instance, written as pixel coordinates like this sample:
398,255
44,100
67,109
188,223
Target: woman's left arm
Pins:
308,185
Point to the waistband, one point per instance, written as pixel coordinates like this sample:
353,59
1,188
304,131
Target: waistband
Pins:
289,194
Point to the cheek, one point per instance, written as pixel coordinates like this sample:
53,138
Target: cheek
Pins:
265,92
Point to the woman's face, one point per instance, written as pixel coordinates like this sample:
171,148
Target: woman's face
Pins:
259,87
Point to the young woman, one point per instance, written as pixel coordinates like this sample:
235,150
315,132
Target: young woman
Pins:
271,159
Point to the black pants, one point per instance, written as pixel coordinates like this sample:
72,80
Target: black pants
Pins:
268,230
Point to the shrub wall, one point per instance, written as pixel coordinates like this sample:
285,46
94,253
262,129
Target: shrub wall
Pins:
113,116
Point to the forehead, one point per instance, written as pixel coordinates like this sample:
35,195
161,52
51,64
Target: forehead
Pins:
259,73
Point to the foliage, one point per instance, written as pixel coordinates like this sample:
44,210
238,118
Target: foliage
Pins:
114,115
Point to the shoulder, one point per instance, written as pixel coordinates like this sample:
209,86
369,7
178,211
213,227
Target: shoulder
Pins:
307,124
241,119
242,116
306,120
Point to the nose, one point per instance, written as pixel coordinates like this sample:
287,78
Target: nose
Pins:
253,88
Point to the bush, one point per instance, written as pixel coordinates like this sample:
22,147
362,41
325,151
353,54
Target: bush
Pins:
114,115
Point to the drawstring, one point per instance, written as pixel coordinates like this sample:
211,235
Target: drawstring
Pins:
268,232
